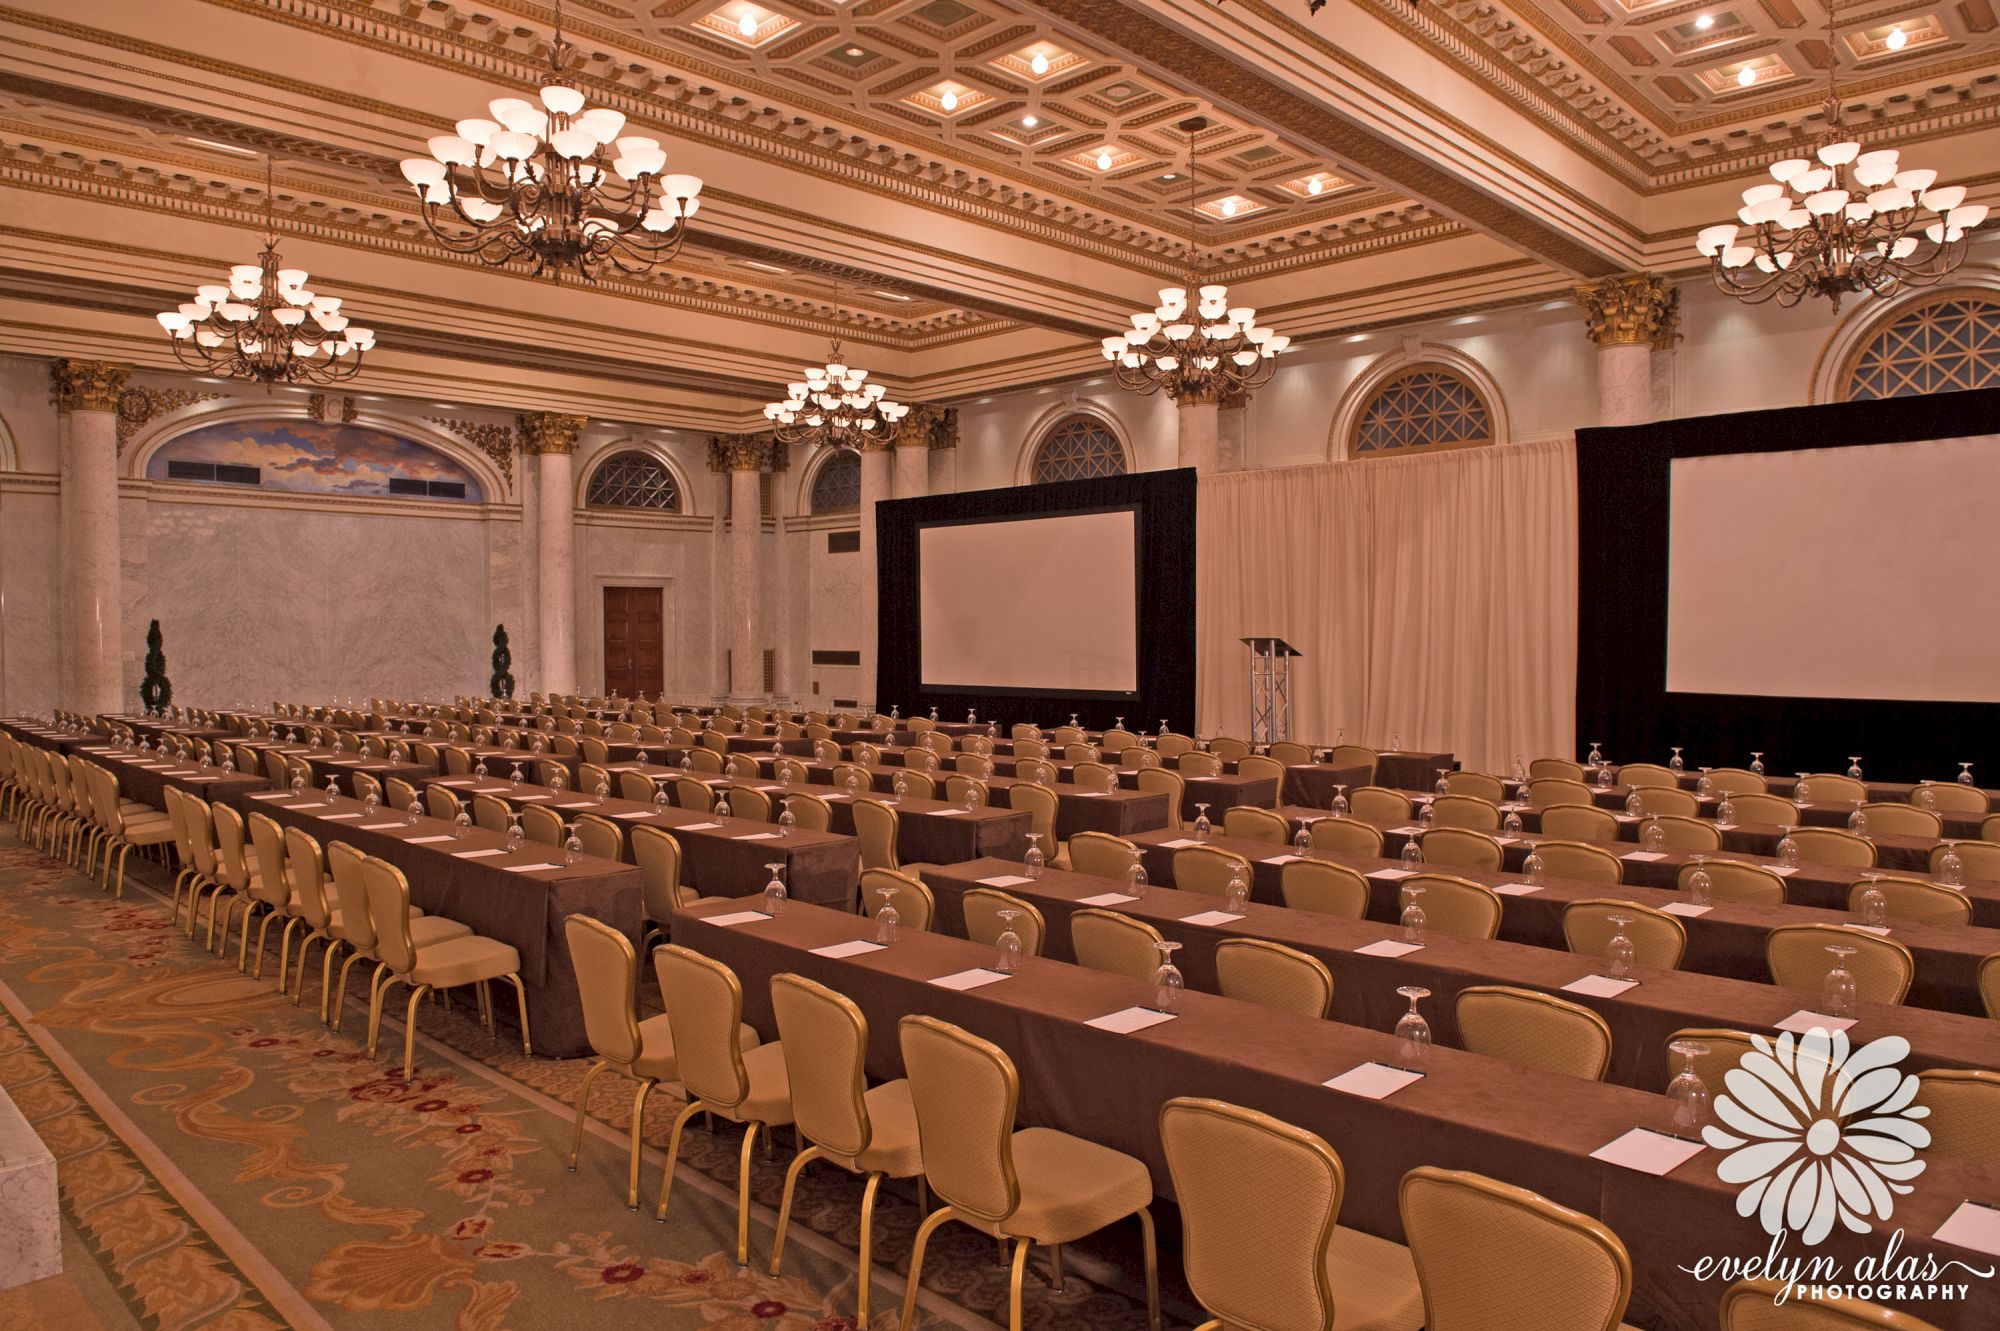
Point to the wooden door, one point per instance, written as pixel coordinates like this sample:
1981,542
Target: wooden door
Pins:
634,650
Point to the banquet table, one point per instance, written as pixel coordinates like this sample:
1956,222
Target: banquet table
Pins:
719,857
1529,1128
497,895
1217,792
928,831
340,764
141,776
1643,1018
1816,813
1891,792
152,728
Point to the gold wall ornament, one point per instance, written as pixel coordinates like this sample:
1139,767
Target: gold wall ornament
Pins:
495,441
86,385
1633,309
549,431
139,407
742,452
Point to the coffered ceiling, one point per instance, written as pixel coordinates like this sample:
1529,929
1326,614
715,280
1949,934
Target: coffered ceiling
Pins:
967,191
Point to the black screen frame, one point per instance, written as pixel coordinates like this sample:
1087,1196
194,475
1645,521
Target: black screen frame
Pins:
1624,480
1163,507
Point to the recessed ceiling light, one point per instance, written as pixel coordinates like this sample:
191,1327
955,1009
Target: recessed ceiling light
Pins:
1897,39
747,25
1040,64
949,101
1229,207
1705,22
1030,122
1745,77
1104,160
855,51
1315,186
1170,176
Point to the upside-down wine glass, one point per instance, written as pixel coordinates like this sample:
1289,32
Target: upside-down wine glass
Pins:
721,809
1135,875
1839,997
1237,895
774,891
1413,1033
1854,768
1032,861
572,846
1757,761
1619,950
1951,866
1676,764
1203,829
886,918
1413,914
1654,838
1302,841
413,812
1167,982
1595,758
516,834
1413,854
1008,945
1699,885
1965,774
1857,822
788,821
1871,908
1687,1092
1534,870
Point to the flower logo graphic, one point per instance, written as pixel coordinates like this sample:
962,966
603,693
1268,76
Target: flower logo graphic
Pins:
1818,1132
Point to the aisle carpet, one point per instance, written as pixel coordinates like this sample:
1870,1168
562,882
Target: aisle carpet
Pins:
225,1161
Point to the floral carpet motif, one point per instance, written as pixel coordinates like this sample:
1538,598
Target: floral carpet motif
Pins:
229,1162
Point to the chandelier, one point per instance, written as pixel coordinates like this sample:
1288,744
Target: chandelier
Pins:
1848,221
1203,355
835,404
540,182
264,325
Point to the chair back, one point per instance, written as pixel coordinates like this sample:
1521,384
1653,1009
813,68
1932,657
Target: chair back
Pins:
1356,755
1544,791
1774,1305
305,874
637,787
350,896
704,1002
1104,940
982,906
388,908
1759,807
1533,1030
1833,788
1330,889
607,982
600,836
658,856
398,793
275,769
267,842
1258,971
1683,833
1456,906
1254,824
1581,861
1379,804
1164,781
1337,835
751,803
1981,858
1667,800
915,906
1915,900
1736,781
1259,1201
825,1039
958,788
457,762
1658,939
966,1092
1094,776
810,812
1740,881
1100,854
694,795
976,765
1726,1048
543,825
1469,811
877,825
1291,753
1462,848
1965,1113
1260,768
1489,1254
1639,775
444,805
366,785
232,867
1478,785
1832,845
1117,740
1951,797
1559,768
1902,820
1199,764
1798,960
492,813
915,784
1229,750
1208,869
1041,804
705,760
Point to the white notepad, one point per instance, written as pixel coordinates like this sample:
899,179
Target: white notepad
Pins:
1973,1226
858,947
1875,929
946,813
272,795
629,816
1626,817
1389,947
1783,870
1648,1152
380,827
1280,859
1685,908
1643,856
1598,986
1005,880
756,836
1180,843
1515,889
528,868
530,799
738,917
1127,1020
1390,875
1805,1019
1211,917
341,817
697,827
478,854
972,979
577,804
296,808
1413,829
427,840
1106,899
1373,1081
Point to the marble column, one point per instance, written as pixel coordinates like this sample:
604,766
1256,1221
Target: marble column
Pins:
1232,446
1626,316
875,467
550,438
913,437
85,394
944,466
1665,352
744,457
1200,418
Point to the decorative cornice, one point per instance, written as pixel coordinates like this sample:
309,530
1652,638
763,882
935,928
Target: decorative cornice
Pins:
495,441
139,407
86,385
1633,309
549,431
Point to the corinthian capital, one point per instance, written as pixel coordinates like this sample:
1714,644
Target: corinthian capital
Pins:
86,385
1633,309
549,431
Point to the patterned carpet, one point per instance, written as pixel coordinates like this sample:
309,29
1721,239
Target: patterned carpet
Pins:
227,1162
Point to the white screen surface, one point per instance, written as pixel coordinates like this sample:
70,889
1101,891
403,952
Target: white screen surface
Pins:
1046,604
1862,572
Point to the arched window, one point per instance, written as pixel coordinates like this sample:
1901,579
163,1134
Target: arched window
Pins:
633,480
837,483
1941,345
1078,448
1426,407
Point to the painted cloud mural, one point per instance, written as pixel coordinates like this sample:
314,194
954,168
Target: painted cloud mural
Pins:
314,457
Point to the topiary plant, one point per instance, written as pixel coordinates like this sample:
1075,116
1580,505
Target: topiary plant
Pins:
502,683
156,691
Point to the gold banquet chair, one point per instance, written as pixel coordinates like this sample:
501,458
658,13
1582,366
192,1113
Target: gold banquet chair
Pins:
607,980
1104,940
1253,824
1736,781
1034,1185
1726,1048
1272,975
1834,788
870,1131
1337,835
1951,797
1658,939
1379,804
1479,785
982,906
1915,900
1773,1305
1533,1030
1330,889
1739,881
1980,858
1902,820
1262,1245
1164,781
1965,1113
748,1086
1682,833
1457,906
1558,768
1580,862
1643,775
1758,807
914,904
1669,800
1100,854
1579,822
1490,1255
1208,869
1465,811
1831,845
1462,848
878,827
1798,960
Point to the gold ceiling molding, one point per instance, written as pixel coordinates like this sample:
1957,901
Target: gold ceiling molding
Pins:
139,407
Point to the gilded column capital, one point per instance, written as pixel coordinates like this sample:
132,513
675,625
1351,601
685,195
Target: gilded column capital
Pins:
549,431
86,385
1211,393
873,443
745,452
945,436
1632,309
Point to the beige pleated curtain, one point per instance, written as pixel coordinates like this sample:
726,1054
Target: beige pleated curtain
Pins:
1433,597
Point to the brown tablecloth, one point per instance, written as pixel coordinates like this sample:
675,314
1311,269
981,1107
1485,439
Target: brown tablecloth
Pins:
1407,770
718,858
340,764
1527,1128
524,910
927,831
1894,792
144,777
1957,826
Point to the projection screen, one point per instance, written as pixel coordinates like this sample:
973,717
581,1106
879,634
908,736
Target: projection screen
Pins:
1861,572
1044,604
